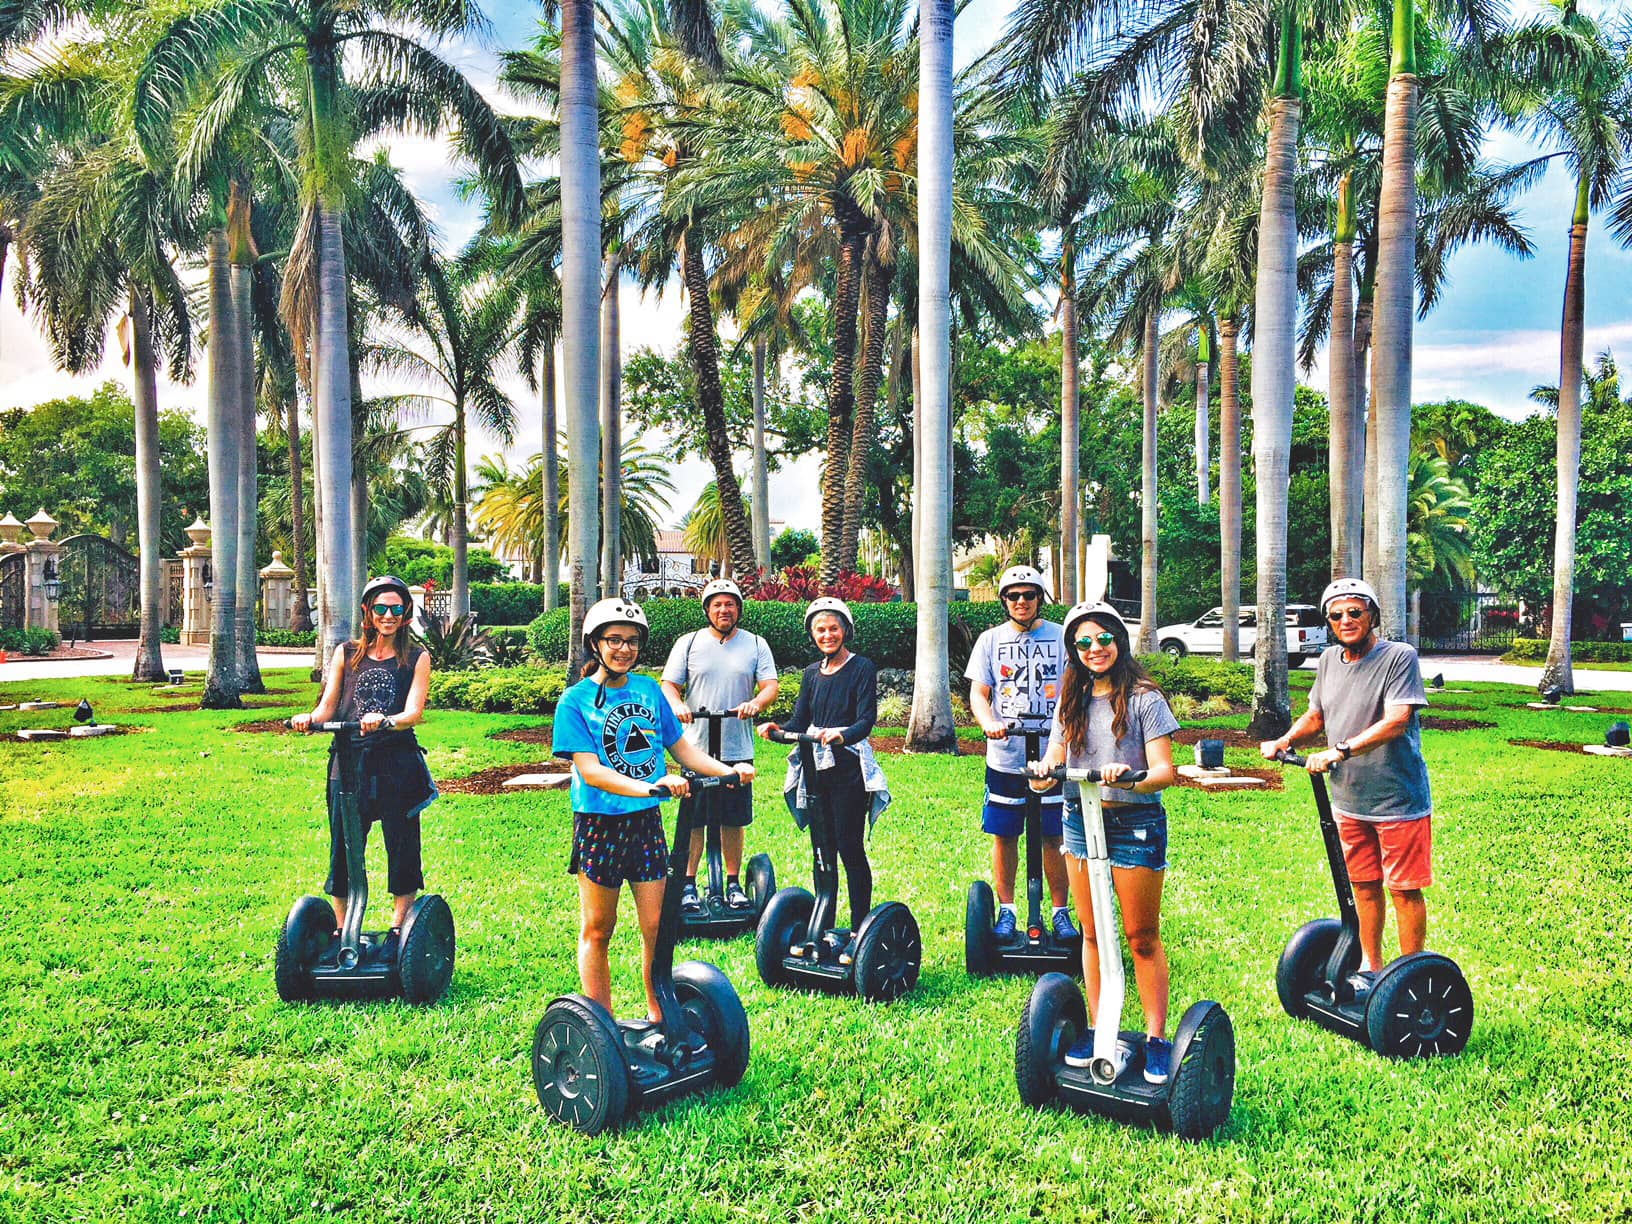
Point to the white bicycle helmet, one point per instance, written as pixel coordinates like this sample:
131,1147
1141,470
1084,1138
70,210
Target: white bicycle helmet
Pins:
613,612
1349,588
722,586
1093,609
1021,575
840,609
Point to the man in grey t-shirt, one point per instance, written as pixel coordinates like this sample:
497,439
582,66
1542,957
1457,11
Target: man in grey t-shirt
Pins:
1366,695
730,670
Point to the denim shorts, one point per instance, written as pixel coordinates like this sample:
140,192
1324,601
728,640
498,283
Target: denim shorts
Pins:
1005,812
1136,834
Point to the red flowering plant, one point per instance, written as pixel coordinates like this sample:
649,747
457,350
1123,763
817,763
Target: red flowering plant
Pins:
802,583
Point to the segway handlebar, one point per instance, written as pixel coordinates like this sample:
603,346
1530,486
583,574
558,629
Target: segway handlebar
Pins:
698,782
1028,722
707,714
337,727
780,736
1062,774
1287,757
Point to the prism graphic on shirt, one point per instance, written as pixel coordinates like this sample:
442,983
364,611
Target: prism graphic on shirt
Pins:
629,741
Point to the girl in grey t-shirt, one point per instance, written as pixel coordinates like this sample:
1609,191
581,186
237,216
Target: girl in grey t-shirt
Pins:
1112,717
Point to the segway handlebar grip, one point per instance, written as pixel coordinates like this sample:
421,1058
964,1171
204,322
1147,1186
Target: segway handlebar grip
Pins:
794,737
1062,774
387,725
1288,757
705,713
698,782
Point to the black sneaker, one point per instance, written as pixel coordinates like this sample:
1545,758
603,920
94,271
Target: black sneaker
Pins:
735,898
690,902
1360,984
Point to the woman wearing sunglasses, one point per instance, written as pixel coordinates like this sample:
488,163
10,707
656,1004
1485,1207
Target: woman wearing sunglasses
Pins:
381,675
1112,717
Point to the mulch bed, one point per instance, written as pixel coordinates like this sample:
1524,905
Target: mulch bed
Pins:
172,709
492,781
1454,724
1233,737
896,745
1272,780
1553,746
526,735
266,724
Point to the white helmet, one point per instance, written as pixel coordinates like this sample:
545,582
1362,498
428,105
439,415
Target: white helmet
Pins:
1021,575
1093,609
613,612
722,586
840,609
1349,588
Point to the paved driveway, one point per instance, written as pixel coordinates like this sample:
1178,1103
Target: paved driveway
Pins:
122,658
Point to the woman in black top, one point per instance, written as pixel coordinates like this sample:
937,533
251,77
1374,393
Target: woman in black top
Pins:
380,675
838,698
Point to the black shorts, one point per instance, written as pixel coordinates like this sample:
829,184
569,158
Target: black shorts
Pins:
732,806
405,870
611,847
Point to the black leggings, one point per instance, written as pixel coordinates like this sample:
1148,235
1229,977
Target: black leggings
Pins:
849,803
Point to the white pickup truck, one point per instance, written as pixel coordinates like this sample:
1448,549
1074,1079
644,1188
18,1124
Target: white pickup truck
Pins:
1305,634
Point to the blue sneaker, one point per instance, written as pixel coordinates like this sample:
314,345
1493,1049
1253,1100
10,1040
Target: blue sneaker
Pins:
1064,930
1006,922
1081,1053
1158,1060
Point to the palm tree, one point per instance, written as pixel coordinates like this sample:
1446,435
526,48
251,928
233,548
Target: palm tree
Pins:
704,527
1441,541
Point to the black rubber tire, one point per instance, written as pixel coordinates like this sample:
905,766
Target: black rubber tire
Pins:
579,1068
979,942
1174,649
712,1006
1303,960
889,954
1203,1085
306,933
425,959
1420,1007
786,912
761,883
1293,662
1055,1014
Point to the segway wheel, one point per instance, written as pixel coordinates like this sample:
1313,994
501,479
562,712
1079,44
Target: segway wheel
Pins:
786,913
578,1066
889,953
425,961
713,1009
761,883
1054,1015
979,943
1303,961
305,934
1203,1084
1420,1007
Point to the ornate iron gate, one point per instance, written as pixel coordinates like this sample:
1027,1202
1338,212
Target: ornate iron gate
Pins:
101,590
12,592
1467,623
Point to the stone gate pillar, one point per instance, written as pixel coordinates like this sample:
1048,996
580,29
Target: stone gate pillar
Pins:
44,563
195,570
277,594
10,532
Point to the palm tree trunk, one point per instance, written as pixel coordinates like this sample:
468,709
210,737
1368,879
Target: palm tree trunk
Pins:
930,728
580,298
611,432
1146,642
331,405
550,484
302,618
241,256
841,389
1396,302
1204,423
760,507
223,421
1559,668
460,602
1365,424
1229,486
1273,380
705,361
1070,427
149,653
917,454
880,278
1345,507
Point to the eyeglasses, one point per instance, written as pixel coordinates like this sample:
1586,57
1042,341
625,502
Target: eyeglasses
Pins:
622,643
388,609
1021,596
1341,614
1099,639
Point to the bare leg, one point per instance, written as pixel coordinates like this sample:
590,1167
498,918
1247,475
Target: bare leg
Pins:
400,905
598,917
1411,913
1139,893
649,910
1005,861
696,853
731,849
1368,904
339,904
1054,871
1076,870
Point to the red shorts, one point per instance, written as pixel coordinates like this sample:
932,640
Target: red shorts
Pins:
1396,852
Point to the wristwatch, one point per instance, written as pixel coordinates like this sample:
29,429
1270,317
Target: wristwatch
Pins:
1343,747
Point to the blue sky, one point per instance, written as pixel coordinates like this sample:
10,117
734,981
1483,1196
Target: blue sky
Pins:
1493,336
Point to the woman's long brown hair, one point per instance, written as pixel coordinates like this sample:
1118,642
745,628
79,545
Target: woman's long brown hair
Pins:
1127,676
403,644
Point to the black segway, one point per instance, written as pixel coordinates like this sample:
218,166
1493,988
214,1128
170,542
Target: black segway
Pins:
1418,1007
797,943
1036,949
315,963
591,1070
1196,1099
717,920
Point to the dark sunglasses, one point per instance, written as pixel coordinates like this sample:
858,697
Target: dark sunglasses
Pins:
1352,614
1018,596
388,609
1101,639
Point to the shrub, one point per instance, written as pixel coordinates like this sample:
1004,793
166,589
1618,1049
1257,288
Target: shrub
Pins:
893,709
1200,678
28,641
419,561
506,603
1534,650
286,637
499,690
1183,705
170,635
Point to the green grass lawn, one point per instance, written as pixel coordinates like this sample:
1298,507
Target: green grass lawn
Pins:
149,1071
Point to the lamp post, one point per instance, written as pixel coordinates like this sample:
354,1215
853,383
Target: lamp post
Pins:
51,583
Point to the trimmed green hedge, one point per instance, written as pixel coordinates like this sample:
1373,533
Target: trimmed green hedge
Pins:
1201,678
28,641
1534,650
508,603
286,637
493,690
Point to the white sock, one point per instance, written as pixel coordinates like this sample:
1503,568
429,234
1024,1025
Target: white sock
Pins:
1062,909
1005,909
